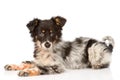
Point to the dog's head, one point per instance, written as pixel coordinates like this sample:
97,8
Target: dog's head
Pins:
46,32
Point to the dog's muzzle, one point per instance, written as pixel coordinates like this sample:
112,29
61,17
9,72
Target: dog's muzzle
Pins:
47,44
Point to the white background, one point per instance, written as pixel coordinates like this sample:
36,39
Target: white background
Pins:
88,18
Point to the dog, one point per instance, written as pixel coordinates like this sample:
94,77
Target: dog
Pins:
53,55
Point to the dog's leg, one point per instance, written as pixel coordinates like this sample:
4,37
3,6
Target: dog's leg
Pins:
24,65
102,62
29,72
40,70
99,58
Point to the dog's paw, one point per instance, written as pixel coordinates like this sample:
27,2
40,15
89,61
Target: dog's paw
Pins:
29,72
100,66
23,74
57,69
96,67
9,67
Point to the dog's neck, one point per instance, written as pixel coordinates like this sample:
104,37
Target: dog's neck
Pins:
39,50
42,56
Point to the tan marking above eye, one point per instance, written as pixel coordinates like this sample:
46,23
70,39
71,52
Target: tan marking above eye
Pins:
51,31
56,37
43,31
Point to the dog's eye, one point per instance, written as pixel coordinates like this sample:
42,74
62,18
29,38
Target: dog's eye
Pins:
51,34
43,31
51,31
41,34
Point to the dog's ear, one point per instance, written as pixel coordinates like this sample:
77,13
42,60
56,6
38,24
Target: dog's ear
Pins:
32,24
59,21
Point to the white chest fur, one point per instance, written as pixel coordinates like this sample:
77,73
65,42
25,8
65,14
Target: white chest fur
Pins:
44,58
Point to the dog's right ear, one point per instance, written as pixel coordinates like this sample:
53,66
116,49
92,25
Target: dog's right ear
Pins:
59,21
33,24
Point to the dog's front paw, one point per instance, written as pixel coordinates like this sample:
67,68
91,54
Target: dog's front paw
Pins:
8,67
23,74
29,72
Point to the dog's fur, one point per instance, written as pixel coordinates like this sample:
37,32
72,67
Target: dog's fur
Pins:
53,55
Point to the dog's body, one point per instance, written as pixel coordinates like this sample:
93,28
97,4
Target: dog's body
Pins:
53,55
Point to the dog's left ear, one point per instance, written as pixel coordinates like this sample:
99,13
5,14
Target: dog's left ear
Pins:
59,21
33,24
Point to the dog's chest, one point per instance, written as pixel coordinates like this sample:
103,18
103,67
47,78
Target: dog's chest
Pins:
44,58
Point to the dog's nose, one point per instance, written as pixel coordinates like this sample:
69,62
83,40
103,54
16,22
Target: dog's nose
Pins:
47,44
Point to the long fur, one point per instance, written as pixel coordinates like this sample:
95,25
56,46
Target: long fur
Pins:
54,55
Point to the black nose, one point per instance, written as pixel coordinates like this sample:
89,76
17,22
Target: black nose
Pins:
47,44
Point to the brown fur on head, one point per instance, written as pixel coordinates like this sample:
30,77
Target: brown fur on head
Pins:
46,31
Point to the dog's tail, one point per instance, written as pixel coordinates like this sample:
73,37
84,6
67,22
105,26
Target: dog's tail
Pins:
109,42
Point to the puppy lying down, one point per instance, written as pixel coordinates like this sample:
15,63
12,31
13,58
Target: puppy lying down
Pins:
53,55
